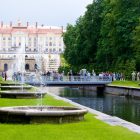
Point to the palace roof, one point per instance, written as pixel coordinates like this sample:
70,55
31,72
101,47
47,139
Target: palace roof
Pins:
9,29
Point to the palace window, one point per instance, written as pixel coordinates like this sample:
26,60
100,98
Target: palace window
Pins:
35,50
46,43
50,50
60,50
50,44
5,67
4,49
46,49
27,67
60,44
54,50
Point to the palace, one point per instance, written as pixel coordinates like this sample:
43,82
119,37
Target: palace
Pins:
44,40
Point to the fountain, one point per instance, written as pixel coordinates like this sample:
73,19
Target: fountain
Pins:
40,113
32,114
14,89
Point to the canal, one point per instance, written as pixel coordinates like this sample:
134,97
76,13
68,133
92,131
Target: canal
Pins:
120,106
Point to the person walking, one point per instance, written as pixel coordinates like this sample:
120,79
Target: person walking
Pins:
5,76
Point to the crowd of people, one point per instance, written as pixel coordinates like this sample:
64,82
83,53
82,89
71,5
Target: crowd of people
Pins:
82,75
4,75
86,75
135,76
114,76
17,76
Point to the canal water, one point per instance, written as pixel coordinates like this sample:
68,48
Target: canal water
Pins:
120,106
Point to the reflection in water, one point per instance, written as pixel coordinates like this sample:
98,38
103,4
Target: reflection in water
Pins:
125,108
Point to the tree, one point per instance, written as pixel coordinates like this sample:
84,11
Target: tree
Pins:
136,46
106,37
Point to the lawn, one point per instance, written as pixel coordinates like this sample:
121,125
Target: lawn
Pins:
126,83
89,129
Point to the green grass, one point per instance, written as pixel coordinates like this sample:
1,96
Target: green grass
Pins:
89,129
1,79
126,83
48,100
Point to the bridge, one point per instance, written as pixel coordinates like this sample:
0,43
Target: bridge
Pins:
68,80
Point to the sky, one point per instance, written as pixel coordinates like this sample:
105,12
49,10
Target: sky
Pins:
47,12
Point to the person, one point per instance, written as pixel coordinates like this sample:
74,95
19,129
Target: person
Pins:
93,73
133,76
138,76
70,75
2,74
88,76
48,75
5,76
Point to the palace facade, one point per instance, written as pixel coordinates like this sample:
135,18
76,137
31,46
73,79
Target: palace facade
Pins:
33,40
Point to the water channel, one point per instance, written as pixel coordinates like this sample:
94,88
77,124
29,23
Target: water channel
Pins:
120,106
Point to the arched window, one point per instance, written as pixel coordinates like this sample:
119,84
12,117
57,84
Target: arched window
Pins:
5,67
27,67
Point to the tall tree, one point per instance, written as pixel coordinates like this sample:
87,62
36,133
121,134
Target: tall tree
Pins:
120,18
136,46
107,36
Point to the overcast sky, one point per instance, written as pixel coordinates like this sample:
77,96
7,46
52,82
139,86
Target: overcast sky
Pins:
47,12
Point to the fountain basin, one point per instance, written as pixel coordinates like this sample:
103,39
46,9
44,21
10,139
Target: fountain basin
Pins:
13,87
20,94
11,84
45,114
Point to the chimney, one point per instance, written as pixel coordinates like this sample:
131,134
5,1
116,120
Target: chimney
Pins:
36,24
27,24
11,24
1,23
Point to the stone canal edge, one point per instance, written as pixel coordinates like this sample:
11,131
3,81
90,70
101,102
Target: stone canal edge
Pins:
111,120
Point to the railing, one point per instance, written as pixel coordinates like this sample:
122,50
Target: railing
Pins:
67,79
